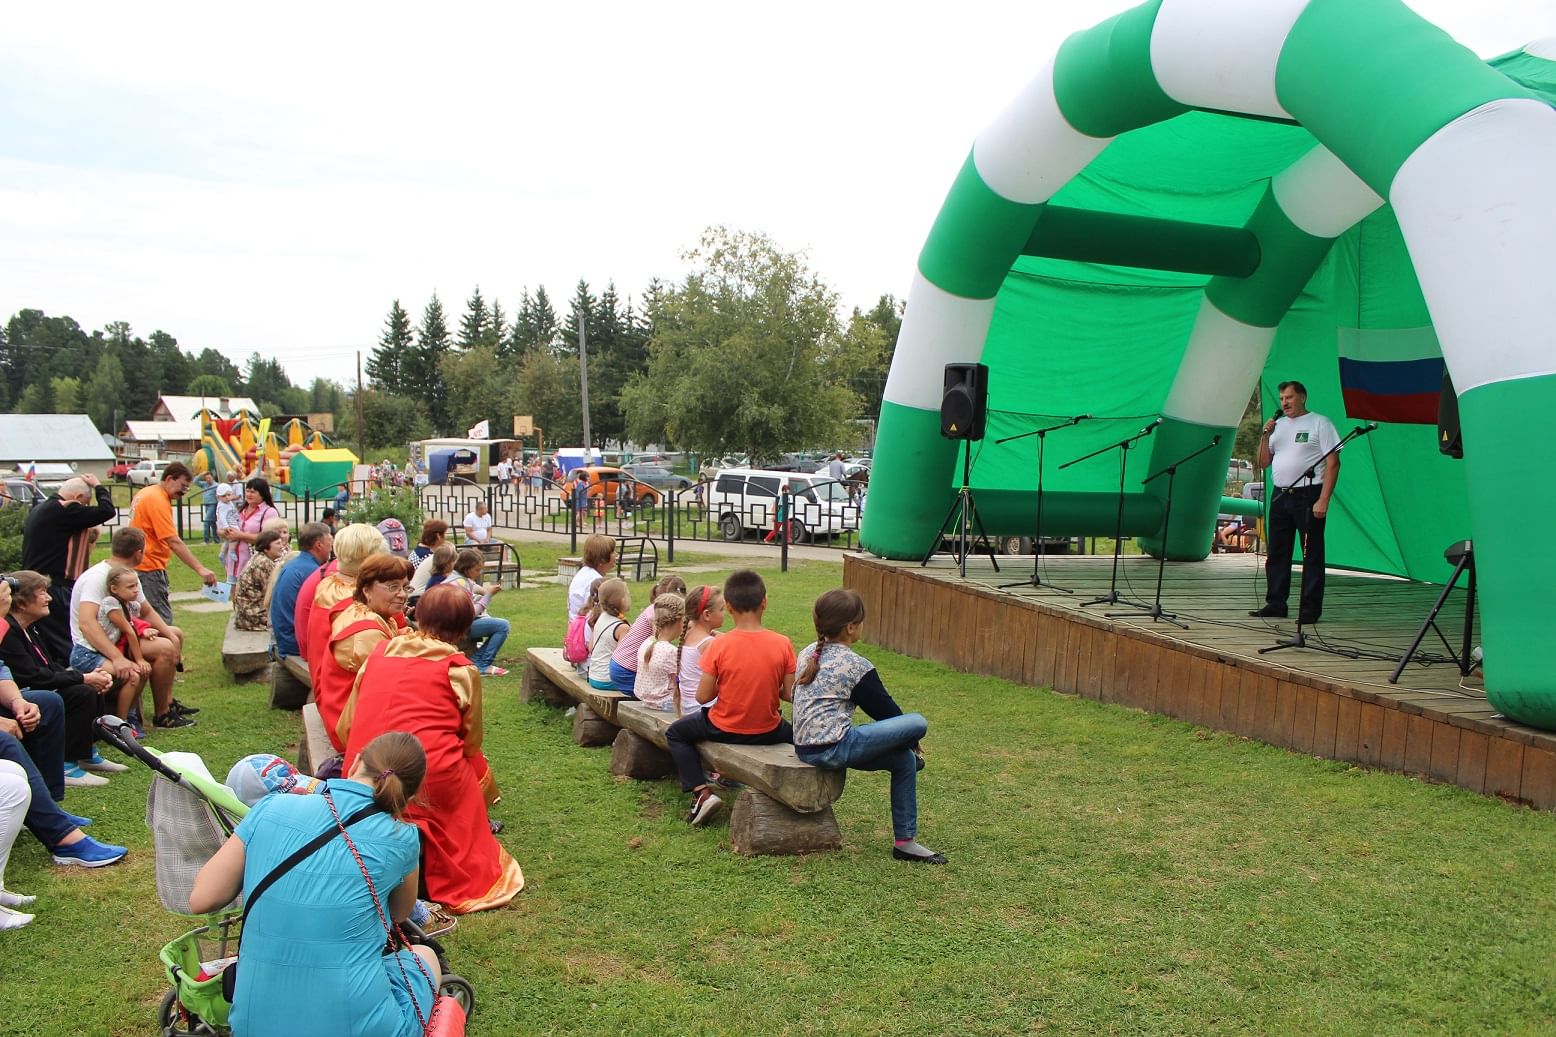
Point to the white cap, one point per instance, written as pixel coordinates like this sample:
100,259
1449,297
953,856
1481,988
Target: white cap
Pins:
224,489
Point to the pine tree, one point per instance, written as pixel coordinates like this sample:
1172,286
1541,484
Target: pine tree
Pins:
422,376
547,326
476,322
497,331
385,364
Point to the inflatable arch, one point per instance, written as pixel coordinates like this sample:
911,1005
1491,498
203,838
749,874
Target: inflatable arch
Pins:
1461,152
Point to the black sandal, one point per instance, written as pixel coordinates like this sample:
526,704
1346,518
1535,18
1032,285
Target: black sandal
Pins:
903,855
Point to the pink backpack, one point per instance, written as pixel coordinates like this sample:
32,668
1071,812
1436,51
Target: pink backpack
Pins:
574,648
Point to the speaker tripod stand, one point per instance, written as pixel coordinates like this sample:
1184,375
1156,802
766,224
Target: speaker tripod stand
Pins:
964,510
1462,554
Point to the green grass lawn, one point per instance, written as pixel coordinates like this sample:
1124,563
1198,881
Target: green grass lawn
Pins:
1111,872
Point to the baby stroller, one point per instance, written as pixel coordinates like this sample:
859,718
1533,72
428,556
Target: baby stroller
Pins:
190,815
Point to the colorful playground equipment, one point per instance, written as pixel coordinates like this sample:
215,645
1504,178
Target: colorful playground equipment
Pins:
247,444
1195,199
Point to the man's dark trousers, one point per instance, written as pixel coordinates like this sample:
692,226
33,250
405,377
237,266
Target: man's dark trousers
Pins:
1291,514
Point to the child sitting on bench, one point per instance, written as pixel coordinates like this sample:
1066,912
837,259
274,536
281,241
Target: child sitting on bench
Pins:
748,670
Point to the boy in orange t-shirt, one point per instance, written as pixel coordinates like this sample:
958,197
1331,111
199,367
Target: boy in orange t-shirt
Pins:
747,670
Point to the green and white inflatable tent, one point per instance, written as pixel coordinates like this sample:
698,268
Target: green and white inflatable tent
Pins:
1195,198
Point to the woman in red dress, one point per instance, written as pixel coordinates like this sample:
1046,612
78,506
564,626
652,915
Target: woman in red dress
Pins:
419,682
372,615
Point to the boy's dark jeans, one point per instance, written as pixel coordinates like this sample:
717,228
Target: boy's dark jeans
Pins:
686,732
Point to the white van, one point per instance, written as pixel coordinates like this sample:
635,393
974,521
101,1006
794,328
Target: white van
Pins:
743,500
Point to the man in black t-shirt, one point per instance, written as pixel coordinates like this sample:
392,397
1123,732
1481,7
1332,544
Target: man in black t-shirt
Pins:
51,529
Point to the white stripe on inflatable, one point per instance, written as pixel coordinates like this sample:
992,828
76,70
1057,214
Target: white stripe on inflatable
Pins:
1474,204
938,328
1220,365
1321,196
1030,151
1222,53
1545,48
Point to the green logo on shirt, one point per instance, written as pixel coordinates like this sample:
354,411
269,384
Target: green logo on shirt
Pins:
1301,437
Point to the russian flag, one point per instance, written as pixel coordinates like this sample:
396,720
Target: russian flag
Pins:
1391,374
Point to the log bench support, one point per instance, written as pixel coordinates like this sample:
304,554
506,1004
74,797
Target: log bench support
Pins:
633,756
290,685
591,730
761,825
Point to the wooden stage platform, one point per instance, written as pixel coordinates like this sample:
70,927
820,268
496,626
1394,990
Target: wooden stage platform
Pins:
1432,724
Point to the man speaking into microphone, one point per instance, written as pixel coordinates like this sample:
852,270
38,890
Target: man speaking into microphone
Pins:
1293,445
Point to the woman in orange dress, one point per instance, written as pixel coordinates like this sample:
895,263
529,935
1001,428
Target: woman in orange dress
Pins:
371,616
419,682
354,545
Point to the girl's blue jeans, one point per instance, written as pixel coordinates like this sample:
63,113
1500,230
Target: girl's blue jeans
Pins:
885,745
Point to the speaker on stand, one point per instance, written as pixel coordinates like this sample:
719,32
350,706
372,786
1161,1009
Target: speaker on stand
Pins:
964,413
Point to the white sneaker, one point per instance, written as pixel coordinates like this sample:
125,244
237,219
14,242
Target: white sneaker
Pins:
12,919
98,765
77,778
10,899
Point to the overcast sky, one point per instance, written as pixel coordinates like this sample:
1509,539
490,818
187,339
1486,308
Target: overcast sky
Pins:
268,178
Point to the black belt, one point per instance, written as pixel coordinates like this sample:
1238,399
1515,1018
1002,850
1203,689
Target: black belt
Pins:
1306,491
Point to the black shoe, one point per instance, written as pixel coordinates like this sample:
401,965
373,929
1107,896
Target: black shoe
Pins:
1270,612
903,855
704,807
171,719
182,710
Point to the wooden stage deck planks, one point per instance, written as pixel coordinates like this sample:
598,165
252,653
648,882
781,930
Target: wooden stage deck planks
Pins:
1432,724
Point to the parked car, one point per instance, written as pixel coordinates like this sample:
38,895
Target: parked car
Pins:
657,476
1239,470
119,471
147,472
24,492
745,500
610,484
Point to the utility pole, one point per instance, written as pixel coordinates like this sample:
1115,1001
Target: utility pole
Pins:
361,432
583,380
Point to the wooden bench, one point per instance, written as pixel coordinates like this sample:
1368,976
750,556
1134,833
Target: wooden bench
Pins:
315,747
290,685
550,677
244,652
786,807
637,559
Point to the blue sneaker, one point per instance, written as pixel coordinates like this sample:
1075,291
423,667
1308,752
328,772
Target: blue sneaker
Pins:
79,822
88,853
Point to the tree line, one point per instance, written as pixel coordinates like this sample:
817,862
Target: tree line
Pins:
749,352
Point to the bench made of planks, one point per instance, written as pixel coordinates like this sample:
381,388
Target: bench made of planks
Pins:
786,807
244,652
290,684
315,747
637,559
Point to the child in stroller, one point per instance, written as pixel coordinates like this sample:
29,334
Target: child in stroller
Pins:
192,817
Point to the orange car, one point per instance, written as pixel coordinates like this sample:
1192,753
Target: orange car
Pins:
610,485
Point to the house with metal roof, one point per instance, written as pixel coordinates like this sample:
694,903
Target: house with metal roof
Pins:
188,408
69,439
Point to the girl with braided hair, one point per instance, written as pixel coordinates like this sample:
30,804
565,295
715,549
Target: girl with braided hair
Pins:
657,683
705,616
834,679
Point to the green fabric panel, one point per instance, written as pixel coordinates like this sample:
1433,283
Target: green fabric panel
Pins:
1515,565
1289,257
1373,81
1196,490
1538,75
1103,79
1140,241
1014,512
908,501
975,238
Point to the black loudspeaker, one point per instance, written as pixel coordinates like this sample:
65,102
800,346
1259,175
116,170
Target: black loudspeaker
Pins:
1450,437
964,409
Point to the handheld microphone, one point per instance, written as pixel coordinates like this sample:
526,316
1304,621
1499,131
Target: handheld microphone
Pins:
1362,430
1151,427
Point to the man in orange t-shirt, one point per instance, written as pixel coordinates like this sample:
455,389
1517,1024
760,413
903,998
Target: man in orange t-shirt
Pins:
151,512
748,670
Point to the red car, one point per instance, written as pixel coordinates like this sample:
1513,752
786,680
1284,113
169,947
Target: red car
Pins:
119,470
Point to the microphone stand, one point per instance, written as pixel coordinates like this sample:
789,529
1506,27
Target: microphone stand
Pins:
1299,639
1037,535
1171,472
1122,446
